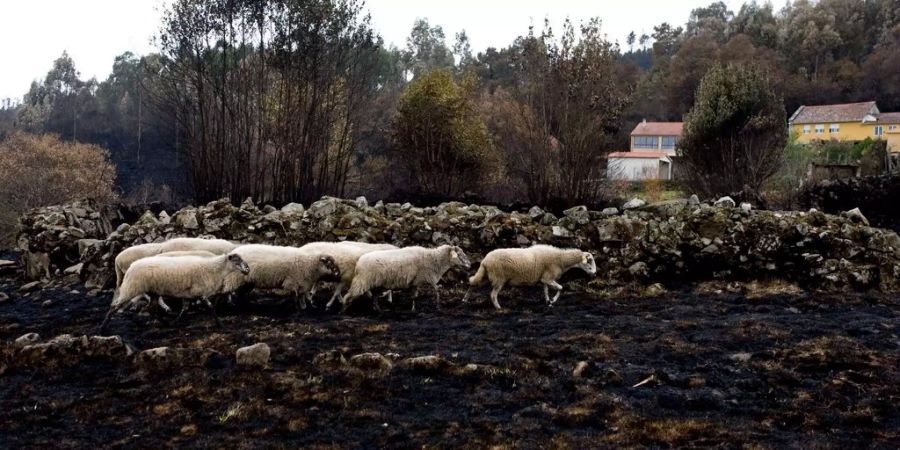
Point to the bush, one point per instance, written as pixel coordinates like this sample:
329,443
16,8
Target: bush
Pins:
42,170
439,137
735,134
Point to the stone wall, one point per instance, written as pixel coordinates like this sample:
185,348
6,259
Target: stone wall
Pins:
876,196
673,242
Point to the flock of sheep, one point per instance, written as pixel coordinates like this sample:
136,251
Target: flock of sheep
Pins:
195,268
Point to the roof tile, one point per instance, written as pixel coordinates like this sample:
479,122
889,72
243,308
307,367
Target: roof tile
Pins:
658,129
844,112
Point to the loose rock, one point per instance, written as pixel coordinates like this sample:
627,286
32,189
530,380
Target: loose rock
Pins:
27,339
256,355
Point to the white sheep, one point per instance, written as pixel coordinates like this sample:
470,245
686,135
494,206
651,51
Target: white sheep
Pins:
162,304
286,268
345,254
184,277
536,264
131,254
404,268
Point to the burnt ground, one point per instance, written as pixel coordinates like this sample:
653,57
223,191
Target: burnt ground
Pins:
783,371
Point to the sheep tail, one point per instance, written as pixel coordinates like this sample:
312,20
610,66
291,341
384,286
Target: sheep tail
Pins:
478,278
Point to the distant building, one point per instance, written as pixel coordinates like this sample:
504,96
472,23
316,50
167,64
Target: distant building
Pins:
660,136
639,165
652,153
846,122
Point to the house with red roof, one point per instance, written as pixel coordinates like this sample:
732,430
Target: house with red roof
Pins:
652,152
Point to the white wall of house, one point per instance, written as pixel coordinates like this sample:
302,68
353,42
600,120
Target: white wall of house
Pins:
638,168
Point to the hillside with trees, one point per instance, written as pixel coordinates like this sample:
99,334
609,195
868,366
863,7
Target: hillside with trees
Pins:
288,100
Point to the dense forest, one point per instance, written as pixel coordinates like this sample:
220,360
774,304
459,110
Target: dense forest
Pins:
288,100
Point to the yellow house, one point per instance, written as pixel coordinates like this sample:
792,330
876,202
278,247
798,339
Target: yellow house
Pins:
890,127
846,122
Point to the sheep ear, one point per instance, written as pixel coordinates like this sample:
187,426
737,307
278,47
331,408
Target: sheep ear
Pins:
453,254
584,258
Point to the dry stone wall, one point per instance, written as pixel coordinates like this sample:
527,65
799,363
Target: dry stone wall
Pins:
673,242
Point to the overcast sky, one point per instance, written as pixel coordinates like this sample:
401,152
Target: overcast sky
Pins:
35,32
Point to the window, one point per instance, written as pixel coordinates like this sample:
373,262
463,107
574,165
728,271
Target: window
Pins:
879,130
645,142
892,127
834,128
669,141
805,129
820,128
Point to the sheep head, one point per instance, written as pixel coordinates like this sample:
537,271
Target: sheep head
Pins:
329,268
459,258
239,264
587,263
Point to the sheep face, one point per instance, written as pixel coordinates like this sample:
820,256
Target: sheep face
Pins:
239,264
587,263
458,258
328,268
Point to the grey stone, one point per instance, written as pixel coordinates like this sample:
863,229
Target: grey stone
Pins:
535,212
609,212
148,218
256,355
633,203
371,361
578,215
27,339
746,207
725,202
694,200
293,208
856,216
361,202
27,287
741,357
74,270
561,232
187,219
639,269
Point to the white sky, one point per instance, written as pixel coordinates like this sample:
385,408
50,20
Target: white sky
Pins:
35,32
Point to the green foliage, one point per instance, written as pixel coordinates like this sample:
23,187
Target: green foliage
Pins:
439,136
735,133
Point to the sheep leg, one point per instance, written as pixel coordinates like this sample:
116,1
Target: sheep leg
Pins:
437,296
547,294
558,288
113,310
299,303
184,307
213,310
494,293
162,304
334,297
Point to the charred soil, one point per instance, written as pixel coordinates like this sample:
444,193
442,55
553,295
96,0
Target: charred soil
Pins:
673,371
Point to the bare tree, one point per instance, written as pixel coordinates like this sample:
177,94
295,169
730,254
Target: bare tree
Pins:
267,94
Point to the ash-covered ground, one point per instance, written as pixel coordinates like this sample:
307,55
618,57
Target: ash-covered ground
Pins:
680,370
